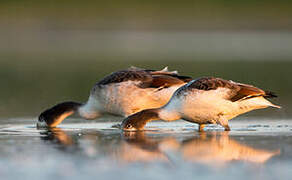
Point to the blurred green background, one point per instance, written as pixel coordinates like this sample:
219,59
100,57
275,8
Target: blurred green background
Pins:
51,51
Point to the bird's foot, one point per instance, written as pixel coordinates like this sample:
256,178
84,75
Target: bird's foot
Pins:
226,128
201,127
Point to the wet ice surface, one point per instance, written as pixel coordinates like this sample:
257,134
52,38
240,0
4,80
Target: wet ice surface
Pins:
254,149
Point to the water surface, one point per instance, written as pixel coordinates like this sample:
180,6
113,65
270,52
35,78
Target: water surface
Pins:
254,149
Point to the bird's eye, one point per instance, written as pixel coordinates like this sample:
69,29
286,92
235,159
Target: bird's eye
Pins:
129,126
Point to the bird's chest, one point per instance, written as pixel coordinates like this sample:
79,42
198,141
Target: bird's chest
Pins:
204,109
125,99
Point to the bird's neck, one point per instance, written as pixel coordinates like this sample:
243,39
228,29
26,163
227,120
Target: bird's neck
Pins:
90,110
167,114
56,114
140,119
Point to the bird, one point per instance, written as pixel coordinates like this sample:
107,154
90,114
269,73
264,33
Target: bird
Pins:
120,93
206,100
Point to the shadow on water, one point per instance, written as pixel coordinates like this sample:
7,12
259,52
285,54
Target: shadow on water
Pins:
215,149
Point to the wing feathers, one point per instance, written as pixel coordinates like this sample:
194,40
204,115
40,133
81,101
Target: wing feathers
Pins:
269,94
237,91
246,91
146,78
165,81
164,71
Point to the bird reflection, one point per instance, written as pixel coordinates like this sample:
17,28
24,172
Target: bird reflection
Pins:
220,148
137,147
211,148
60,139
59,136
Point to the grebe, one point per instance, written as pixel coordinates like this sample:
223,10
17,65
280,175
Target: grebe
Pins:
121,93
204,101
